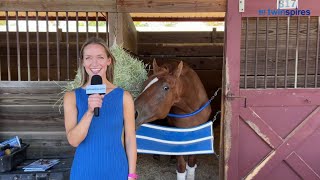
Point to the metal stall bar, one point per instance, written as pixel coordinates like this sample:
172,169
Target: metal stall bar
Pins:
266,55
77,37
87,25
287,53
107,32
8,47
307,55
246,55
18,46
97,24
48,47
58,48
277,54
67,43
317,56
0,69
28,46
256,55
297,55
38,47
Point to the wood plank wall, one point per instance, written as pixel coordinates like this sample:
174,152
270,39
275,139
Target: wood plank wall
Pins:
203,51
27,109
267,57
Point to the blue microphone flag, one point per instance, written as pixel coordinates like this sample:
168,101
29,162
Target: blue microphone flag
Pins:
96,89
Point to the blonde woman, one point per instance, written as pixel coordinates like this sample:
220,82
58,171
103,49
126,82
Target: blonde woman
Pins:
100,153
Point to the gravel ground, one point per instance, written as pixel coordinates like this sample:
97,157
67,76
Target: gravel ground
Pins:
150,168
164,168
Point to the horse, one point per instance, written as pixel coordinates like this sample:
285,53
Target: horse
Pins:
173,88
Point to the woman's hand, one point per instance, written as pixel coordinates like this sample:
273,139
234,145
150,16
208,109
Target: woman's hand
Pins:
94,100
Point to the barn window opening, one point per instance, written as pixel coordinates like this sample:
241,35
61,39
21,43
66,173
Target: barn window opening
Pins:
280,52
44,46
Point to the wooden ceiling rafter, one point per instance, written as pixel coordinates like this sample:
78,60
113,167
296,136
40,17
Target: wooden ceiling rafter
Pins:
200,19
140,10
121,6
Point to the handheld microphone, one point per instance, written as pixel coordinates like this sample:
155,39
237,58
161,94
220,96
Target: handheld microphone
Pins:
96,87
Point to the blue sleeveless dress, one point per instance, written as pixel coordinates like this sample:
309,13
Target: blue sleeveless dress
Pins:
101,155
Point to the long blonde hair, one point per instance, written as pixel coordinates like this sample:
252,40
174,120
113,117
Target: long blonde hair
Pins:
110,69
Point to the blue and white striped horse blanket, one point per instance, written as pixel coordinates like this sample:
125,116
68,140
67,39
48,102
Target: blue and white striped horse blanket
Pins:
155,139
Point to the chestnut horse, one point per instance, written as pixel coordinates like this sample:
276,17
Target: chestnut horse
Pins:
174,88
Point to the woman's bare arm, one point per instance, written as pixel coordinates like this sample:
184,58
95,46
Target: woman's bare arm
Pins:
77,132
130,133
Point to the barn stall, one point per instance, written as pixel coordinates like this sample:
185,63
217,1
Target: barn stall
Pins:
37,59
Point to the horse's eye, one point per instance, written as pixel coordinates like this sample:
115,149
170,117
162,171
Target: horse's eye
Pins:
166,88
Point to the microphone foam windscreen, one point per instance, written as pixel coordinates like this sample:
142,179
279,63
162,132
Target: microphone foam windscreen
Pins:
96,79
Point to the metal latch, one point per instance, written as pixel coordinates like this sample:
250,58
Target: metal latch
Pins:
241,5
230,96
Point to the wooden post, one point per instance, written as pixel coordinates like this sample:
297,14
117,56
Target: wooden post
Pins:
115,28
231,79
122,31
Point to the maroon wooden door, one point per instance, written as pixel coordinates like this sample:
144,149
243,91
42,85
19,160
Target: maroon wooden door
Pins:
279,134
270,132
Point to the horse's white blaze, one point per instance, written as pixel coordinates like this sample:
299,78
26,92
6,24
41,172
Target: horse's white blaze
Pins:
150,83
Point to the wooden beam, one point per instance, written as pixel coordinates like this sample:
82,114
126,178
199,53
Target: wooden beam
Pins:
201,19
196,63
137,6
58,5
115,25
166,6
122,31
179,15
130,34
182,37
160,49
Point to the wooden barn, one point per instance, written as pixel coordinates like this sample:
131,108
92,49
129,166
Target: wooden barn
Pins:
266,61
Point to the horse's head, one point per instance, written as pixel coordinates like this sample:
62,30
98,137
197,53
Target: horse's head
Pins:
161,91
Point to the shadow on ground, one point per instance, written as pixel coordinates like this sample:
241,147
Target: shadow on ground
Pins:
164,168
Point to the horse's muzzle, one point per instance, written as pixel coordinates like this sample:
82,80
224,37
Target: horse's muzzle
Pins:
136,115
137,122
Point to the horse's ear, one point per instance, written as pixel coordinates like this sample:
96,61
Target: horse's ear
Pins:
178,71
155,66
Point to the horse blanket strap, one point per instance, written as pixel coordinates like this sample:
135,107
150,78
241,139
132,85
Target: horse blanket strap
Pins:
155,139
197,111
190,114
